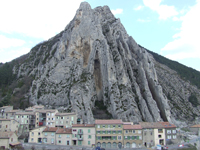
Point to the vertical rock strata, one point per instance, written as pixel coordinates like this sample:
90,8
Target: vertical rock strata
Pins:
95,60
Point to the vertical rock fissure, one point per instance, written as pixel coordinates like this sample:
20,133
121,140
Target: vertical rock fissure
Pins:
97,76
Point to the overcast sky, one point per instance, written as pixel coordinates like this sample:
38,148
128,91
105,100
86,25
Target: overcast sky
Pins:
170,28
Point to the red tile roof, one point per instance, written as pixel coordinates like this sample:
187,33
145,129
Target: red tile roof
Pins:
151,125
25,113
65,114
50,129
135,127
83,125
116,121
2,119
195,126
167,125
64,131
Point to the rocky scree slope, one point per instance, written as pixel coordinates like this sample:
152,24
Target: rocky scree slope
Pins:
94,66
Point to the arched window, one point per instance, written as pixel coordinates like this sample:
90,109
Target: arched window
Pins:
127,145
99,144
114,145
104,145
108,145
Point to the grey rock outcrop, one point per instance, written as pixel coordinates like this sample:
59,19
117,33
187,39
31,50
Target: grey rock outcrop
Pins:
95,60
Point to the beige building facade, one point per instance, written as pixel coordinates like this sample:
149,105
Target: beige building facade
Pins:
109,133
8,125
49,135
132,136
7,139
65,120
64,136
36,135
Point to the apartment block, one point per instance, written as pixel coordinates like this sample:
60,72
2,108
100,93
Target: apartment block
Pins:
147,134
64,136
65,120
170,132
109,133
49,135
83,135
132,136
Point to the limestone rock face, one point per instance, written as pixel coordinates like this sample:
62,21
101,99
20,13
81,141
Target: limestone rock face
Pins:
93,61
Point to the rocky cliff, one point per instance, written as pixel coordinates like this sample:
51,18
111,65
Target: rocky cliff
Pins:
95,67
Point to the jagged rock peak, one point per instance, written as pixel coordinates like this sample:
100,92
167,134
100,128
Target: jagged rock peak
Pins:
97,69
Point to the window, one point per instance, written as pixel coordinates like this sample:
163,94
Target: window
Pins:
32,139
38,133
98,126
6,126
59,136
119,126
139,131
168,131
119,137
89,136
98,137
66,121
98,132
113,126
45,134
74,130
67,142
88,130
133,131
126,131
108,126
108,132
45,140
103,126
11,139
174,136
79,143
22,116
174,131
114,137
159,136
26,121
169,137
61,117
140,137
52,140
32,133
88,142
160,131
104,132
119,132
68,136
59,141
52,134
114,132
27,116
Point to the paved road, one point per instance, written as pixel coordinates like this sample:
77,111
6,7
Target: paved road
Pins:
28,146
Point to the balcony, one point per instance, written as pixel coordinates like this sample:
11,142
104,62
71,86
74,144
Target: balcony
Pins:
80,138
